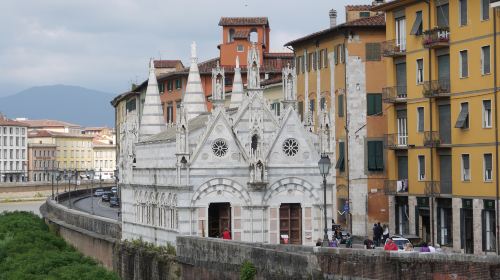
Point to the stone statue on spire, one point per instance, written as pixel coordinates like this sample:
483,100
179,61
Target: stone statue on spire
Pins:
218,90
289,86
253,64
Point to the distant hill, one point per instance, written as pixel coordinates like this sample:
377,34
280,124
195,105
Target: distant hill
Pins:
72,104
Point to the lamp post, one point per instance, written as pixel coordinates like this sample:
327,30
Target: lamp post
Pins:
324,165
118,191
52,181
58,178
90,175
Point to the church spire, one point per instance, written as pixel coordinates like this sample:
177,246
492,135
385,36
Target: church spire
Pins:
253,68
152,121
194,97
218,87
289,81
237,93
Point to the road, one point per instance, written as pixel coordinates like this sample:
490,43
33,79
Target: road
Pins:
100,208
30,206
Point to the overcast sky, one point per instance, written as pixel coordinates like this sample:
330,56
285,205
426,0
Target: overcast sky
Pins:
106,44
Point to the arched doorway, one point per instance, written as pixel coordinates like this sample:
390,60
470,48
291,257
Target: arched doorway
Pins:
219,218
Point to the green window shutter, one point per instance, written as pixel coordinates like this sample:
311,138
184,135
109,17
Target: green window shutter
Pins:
374,104
379,155
373,52
372,165
370,105
340,103
340,162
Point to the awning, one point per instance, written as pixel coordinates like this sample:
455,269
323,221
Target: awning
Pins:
462,118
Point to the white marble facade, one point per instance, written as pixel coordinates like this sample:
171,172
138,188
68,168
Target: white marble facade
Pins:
245,156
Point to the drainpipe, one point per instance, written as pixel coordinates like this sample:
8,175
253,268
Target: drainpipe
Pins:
431,150
496,126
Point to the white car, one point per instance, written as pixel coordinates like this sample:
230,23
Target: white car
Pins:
400,242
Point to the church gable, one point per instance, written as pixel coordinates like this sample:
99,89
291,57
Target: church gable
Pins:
293,145
218,146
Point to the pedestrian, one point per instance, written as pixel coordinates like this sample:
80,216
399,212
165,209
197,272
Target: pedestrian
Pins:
380,232
226,234
376,236
385,233
424,248
368,244
319,242
390,245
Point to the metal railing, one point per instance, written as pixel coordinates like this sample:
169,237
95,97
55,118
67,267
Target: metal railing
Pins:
394,94
393,187
432,188
431,139
392,48
396,141
436,88
436,37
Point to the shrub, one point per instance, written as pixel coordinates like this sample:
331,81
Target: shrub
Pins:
247,271
28,250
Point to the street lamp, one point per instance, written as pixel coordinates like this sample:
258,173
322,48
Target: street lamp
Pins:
90,175
324,165
58,178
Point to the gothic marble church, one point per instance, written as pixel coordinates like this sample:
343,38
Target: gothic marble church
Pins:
242,168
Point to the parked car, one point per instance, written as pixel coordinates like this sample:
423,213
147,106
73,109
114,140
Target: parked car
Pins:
114,201
106,196
114,190
99,192
400,241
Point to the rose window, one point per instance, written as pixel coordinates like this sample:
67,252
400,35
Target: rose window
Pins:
219,147
290,147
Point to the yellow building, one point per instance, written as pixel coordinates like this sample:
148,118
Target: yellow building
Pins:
73,151
441,98
340,76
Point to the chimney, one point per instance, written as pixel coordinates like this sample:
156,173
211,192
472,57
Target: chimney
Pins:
333,18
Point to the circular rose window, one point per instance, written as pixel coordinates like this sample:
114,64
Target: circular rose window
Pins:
219,147
290,147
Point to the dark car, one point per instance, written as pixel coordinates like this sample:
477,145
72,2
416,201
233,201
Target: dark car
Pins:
106,196
114,202
99,192
114,190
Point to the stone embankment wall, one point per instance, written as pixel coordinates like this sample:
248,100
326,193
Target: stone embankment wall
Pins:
100,238
222,259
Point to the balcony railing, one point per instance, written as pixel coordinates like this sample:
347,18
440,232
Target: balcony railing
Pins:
396,141
432,188
393,187
392,48
437,37
436,88
431,139
394,94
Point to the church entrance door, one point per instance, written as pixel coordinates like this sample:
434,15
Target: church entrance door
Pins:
290,223
219,218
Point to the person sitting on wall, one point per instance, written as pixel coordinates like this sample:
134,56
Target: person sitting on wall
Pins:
319,242
390,245
226,234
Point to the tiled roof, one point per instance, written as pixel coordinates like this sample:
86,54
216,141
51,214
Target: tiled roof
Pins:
235,21
4,121
47,133
241,34
377,21
48,123
358,7
275,80
167,63
278,55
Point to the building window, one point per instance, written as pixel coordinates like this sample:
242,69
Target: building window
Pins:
420,119
443,15
230,36
463,118
445,222
373,52
401,33
485,9
488,170
131,106
463,12
485,60
487,113
488,226
421,167
401,118
374,103
375,155
340,161
464,64
465,167
240,48
310,62
340,104
325,58
417,25
275,107
161,87
178,83
364,14
322,103
301,110
420,71
170,113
